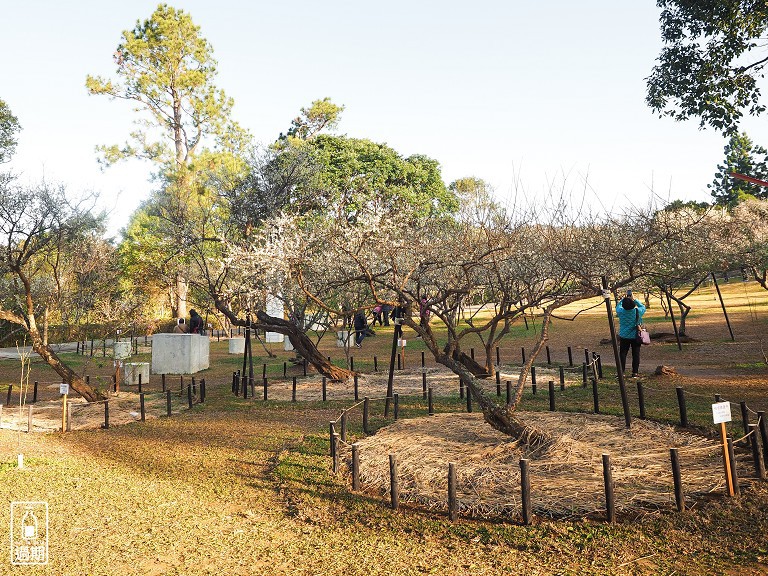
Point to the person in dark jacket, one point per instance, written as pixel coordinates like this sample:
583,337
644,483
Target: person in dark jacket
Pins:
361,326
195,322
630,313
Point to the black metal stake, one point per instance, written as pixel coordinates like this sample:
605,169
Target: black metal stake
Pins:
617,358
722,303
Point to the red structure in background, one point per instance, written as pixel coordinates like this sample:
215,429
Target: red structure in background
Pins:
749,179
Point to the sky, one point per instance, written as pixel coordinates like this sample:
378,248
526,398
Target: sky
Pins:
528,96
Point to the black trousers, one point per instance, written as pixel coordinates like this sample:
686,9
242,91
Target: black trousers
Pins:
624,345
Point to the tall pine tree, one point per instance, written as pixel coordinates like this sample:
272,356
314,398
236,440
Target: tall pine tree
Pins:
744,157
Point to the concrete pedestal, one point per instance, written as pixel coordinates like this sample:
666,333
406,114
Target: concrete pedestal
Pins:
180,353
121,350
132,370
344,338
237,345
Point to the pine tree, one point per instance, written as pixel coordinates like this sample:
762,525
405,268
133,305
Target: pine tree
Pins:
744,157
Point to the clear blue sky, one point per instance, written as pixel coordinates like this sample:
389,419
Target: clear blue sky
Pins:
495,89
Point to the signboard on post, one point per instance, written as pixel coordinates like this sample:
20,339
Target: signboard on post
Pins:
721,412
63,388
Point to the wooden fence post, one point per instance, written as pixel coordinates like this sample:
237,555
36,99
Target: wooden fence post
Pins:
757,457
293,389
142,407
525,487
610,507
335,441
452,508
106,415
366,407
763,435
430,405
357,388
641,399
734,473
676,477
394,485
682,407
551,395
355,467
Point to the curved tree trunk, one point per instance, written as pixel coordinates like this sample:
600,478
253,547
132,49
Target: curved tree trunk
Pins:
301,342
500,416
67,374
303,345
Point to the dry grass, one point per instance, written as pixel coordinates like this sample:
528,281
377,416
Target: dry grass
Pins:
567,474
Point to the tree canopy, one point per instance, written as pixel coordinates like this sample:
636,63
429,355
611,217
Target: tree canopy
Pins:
712,58
9,126
167,70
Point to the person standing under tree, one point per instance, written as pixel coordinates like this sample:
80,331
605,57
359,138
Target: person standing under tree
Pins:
630,313
361,327
195,322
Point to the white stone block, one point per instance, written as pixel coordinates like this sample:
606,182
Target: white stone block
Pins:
121,350
274,337
344,337
288,346
237,345
276,308
180,353
132,370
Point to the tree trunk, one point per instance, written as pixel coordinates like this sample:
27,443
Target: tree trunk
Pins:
301,342
500,417
474,367
67,374
180,296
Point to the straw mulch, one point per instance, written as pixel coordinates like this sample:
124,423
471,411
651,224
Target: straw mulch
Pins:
566,476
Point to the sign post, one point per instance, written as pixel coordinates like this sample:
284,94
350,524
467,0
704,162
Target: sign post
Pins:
64,391
721,413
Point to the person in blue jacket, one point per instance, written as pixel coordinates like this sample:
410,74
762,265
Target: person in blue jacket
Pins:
630,313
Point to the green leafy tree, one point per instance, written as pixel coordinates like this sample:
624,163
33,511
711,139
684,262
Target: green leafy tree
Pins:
167,70
321,115
744,157
711,61
9,126
40,230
